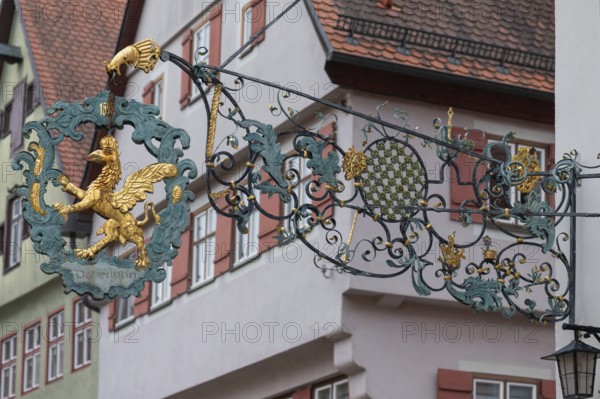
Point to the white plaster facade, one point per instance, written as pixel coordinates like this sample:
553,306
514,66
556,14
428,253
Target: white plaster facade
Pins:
577,102
277,324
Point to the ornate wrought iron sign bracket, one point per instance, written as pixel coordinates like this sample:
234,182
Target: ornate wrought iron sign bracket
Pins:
383,185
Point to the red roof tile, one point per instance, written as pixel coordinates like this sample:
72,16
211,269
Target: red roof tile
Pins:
517,26
70,42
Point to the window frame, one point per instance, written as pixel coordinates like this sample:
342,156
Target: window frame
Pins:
299,189
9,364
246,25
81,328
56,341
8,265
516,195
159,82
205,26
331,385
208,239
34,354
504,381
122,323
241,241
522,384
165,286
6,115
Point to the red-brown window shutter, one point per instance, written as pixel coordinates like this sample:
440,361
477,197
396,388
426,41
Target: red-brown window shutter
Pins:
548,389
466,165
148,93
214,46
141,304
223,241
259,19
186,81
267,226
454,384
181,267
17,116
304,393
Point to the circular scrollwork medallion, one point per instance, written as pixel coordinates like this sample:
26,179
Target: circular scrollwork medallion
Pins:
92,270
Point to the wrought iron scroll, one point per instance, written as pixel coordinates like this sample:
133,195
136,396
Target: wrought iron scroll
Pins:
386,185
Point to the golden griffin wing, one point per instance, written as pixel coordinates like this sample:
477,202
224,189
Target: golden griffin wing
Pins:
139,183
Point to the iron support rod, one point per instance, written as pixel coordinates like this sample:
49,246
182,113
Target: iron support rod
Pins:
573,249
357,114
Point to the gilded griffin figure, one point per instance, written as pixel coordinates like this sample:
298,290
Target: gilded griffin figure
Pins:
101,198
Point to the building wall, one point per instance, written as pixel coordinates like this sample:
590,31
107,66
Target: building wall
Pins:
215,341
577,85
27,294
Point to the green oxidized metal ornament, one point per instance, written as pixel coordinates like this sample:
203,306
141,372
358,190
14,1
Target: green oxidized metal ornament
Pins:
92,270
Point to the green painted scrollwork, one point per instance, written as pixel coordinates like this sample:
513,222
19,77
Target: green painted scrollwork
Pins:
104,276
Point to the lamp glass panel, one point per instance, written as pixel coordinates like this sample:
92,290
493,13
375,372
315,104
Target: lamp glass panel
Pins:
585,370
566,367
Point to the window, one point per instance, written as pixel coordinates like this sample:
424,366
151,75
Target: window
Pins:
335,390
30,98
204,246
247,245
14,236
17,117
8,369
161,292
123,310
158,94
246,23
56,334
31,358
512,195
5,122
201,39
298,165
82,344
490,389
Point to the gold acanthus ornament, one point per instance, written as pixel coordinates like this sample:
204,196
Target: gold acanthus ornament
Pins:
528,157
102,199
354,163
451,256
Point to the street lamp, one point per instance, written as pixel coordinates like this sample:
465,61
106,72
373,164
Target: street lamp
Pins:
577,364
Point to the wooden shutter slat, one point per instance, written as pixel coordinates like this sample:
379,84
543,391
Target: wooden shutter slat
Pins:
17,117
141,303
548,389
466,164
304,393
148,93
267,226
223,241
214,46
181,267
186,81
454,384
259,19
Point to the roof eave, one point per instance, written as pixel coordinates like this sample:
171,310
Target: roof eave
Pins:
407,70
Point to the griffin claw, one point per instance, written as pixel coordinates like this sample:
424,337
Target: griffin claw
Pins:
85,253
